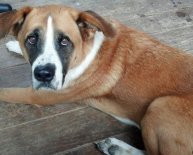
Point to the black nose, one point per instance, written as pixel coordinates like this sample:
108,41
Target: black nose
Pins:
44,73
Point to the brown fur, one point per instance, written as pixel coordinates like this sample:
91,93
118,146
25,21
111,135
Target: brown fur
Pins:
133,76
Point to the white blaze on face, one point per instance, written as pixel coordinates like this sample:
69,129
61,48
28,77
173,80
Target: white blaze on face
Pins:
49,55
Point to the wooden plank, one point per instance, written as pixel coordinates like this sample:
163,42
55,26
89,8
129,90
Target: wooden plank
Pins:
17,76
87,149
160,23
58,133
132,137
180,38
117,7
16,114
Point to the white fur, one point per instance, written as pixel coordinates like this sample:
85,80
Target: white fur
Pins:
122,148
126,121
49,55
13,46
76,72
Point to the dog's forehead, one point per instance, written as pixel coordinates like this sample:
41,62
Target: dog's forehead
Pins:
64,19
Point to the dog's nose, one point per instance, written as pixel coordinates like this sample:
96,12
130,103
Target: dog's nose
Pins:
44,73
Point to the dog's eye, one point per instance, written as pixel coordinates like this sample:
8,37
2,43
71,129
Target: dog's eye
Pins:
64,42
32,40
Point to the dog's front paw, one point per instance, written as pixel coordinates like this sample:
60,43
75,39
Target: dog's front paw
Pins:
107,147
113,146
13,46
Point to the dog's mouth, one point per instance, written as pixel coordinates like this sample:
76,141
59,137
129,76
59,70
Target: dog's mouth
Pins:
52,85
46,86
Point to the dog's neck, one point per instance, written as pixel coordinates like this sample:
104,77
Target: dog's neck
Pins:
76,72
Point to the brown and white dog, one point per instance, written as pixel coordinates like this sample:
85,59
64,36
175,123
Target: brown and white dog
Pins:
79,56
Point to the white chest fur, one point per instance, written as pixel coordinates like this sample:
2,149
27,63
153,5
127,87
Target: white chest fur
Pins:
76,72
126,121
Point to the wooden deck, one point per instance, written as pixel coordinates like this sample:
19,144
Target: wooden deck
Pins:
73,128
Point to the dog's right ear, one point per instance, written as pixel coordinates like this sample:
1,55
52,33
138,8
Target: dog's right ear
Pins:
11,22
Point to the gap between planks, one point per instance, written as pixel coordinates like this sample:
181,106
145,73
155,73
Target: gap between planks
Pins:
44,118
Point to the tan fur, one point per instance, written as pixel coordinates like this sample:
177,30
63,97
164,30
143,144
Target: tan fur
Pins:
133,76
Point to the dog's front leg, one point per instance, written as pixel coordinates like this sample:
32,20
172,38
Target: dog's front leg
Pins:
39,97
24,96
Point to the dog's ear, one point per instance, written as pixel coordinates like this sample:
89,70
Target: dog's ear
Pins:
11,22
90,22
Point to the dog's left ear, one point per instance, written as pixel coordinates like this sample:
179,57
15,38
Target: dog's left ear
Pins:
90,22
11,22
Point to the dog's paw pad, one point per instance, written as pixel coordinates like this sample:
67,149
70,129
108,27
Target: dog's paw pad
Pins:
107,147
113,149
13,46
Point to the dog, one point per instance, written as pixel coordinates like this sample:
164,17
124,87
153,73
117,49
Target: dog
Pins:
80,56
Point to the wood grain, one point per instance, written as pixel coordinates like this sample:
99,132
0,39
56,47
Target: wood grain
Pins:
58,132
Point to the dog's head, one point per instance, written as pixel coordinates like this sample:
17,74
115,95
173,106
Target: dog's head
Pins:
55,40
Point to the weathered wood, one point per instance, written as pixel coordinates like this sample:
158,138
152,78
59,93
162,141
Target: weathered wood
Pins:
16,76
132,137
181,38
113,8
59,132
160,23
15,114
